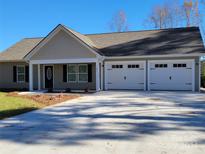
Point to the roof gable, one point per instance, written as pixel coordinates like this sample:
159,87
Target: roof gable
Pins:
62,46
77,36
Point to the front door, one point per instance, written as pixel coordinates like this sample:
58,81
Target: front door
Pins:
48,77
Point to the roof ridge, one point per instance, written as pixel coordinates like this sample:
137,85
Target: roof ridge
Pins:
117,32
143,30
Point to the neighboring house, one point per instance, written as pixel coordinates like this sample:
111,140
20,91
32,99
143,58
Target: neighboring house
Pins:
166,59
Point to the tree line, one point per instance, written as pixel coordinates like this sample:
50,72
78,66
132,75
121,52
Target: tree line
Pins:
170,14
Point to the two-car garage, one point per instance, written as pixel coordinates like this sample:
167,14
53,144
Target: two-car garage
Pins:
150,75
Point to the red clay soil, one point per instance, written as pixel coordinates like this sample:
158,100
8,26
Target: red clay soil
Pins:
45,99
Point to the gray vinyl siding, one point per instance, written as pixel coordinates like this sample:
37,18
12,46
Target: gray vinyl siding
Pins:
197,61
63,46
59,84
35,77
58,79
6,76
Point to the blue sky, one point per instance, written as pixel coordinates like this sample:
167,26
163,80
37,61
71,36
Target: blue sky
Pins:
35,18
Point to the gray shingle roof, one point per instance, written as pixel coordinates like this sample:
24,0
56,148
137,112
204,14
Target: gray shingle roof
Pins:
136,43
151,42
17,51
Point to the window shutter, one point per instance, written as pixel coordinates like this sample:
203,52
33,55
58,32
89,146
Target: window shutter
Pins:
27,73
89,72
14,74
64,73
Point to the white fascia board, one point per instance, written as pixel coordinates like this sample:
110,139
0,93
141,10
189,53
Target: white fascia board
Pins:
64,61
172,60
155,56
125,62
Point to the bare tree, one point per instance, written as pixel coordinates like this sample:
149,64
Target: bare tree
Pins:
119,22
157,17
173,14
165,15
174,17
191,12
187,11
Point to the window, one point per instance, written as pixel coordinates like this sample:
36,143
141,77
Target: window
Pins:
21,73
117,66
160,65
179,65
72,73
77,73
133,66
83,73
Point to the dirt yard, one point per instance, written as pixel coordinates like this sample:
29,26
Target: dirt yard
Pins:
46,99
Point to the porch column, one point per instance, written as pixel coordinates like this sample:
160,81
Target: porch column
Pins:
200,73
101,76
97,76
39,77
30,76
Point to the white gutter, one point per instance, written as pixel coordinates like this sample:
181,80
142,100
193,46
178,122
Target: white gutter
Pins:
155,56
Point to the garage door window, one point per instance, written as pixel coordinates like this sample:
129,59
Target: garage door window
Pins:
179,65
160,65
133,66
117,66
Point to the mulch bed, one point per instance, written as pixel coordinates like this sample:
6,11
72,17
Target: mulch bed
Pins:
45,99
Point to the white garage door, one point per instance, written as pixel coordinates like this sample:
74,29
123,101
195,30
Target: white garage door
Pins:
171,75
125,75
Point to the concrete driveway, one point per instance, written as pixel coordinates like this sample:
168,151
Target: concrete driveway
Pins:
113,122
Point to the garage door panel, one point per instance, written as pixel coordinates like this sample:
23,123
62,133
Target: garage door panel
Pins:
177,75
130,76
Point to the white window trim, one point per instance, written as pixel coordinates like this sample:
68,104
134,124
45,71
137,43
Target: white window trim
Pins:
17,74
77,73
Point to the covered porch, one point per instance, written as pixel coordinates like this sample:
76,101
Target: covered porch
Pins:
64,74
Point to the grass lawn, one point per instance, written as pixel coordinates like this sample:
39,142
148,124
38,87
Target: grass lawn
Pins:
10,106
13,104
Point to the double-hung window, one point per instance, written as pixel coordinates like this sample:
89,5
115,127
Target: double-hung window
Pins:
20,73
83,73
72,73
77,73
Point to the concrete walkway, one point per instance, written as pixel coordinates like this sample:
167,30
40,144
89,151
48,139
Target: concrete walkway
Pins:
111,123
